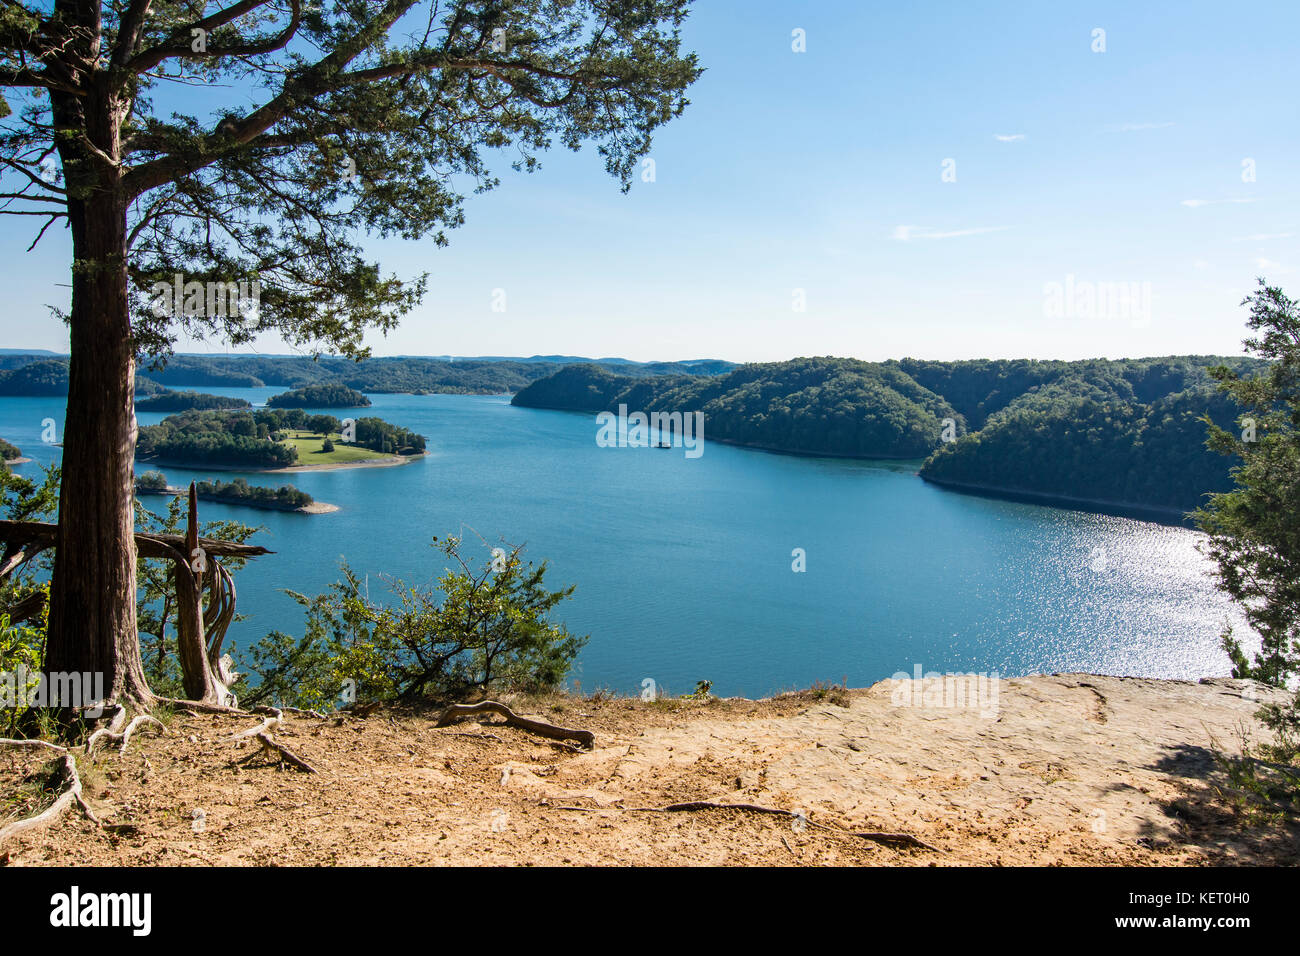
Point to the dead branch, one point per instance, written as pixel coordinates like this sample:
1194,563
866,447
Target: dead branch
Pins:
51,813
287,755
877,836
541,728
272,722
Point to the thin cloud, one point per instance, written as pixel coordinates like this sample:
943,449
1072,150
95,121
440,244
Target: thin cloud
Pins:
1008,137
1197,203
1134,127
908,233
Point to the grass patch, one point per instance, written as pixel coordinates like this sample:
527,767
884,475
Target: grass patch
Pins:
309,449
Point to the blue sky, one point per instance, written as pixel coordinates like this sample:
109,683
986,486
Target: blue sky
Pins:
822,171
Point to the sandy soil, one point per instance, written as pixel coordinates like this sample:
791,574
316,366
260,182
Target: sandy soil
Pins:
1066,769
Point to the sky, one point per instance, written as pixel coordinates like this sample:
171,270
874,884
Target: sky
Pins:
940,180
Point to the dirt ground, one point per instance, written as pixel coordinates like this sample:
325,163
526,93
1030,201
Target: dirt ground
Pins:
1064,770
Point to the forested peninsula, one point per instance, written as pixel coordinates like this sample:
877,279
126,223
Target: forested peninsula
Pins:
1116,434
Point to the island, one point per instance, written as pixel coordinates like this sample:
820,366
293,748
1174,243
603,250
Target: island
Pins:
275,440
12,454
173,401
237,492
319,396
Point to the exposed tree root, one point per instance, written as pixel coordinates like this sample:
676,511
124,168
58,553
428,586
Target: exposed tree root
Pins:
456,711
287,755
114,729
72,794
34,744
201,707
124,738
905,839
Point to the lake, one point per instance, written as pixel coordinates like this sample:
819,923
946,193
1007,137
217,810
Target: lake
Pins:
683,566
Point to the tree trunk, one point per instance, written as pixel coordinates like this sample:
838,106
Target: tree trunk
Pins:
92,626
199,672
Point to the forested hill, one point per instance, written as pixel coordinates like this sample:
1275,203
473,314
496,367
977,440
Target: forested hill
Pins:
33,374
819,406
1121,433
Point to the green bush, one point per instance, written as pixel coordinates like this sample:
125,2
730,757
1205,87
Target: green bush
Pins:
482,629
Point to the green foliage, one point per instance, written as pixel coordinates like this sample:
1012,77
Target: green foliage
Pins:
210,437
1254,533
1254,539
379,435
1126,432
319,396
49,377
818,406
1070,439
8,451
169,401
239,491
481,629
25,591
151,481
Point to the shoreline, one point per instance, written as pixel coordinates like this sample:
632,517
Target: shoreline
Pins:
315,508
1120,509
385,462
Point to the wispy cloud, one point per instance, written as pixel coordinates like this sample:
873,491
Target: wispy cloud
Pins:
1008,137
1197,203
1134,127
1270,265
908,233
1264,237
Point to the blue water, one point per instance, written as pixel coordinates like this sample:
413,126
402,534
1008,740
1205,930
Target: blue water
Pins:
683,566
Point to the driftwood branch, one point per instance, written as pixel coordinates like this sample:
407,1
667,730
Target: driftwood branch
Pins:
272,722
540,727
287,755
878,836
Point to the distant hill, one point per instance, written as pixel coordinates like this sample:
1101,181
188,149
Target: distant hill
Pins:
414,374
49,377
1121,434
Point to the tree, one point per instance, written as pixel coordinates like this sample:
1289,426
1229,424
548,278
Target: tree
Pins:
483,628
1254,532
367,113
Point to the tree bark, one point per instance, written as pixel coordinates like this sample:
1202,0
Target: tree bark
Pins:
199,673
92,625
